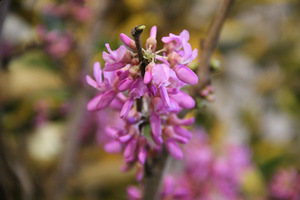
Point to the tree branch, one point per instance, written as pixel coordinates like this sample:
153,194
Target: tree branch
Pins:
136,33
154,173
209,44
152,183
4,6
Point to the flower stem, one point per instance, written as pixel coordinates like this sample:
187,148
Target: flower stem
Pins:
154,173
136,33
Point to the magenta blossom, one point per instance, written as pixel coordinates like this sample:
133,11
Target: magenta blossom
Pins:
116,59
285,184
208,174
147,102
175,42
107,91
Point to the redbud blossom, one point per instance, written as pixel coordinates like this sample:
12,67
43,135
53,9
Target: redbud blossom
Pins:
152,99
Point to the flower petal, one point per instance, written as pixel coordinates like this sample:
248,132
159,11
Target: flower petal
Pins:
186,75
98,72
113,147
128,41
91,82
153,31
126,108
142,154
164,96
174,149
161,74
155,123
183,132
183,100
93,104
130,147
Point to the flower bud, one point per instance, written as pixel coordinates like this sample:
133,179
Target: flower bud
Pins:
148,73
174,149
128,41
186,75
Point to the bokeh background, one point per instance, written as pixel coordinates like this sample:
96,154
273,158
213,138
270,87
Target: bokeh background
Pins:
51,147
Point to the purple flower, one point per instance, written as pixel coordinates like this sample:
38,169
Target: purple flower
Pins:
148,73
125,89
176,40
183,100
97,83
187,54
101,101
151,41
138,88
116,59
155,123
128,41
134,193
160,75
126,108
284,184
174,149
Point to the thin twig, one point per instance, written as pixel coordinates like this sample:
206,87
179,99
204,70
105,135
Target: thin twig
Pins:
4,5
209,44
154,173
136,33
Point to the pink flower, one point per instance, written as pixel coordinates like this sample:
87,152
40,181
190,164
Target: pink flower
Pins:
174,149
187,54
157,93
128,41
284,184
97,83
134,193
116,59
106,96
176,41
151,41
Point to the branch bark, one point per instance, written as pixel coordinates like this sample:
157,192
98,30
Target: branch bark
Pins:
209,44
136,33
154,173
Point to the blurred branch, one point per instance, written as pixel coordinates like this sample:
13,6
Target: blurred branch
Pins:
67,165
4,5
209,44
9,183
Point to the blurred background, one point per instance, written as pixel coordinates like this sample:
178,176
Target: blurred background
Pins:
51,147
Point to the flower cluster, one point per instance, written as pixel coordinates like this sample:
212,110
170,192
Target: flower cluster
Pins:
57,43
146,96
207,174
57,40
74,9
285,184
